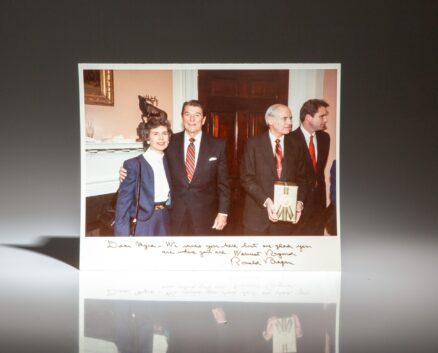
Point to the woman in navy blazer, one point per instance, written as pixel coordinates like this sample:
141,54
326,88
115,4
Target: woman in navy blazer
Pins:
148,172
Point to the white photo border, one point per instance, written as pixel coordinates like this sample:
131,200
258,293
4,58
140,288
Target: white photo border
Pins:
285,253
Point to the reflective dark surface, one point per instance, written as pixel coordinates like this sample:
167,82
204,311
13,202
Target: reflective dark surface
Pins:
388,170
46,307
144,326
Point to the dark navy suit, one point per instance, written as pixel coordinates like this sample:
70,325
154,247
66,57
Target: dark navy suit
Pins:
312,220
209,191
150,222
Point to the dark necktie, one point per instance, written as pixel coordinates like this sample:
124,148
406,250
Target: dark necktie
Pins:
190,159
278,157
312,152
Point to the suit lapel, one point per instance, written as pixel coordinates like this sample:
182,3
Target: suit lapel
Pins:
178,140
306,152
147,174
269,154
168,177
166,169
321,151
286,159
202,155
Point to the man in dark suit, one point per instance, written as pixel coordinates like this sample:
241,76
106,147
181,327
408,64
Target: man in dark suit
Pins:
315,144
270,157
199,174
199,170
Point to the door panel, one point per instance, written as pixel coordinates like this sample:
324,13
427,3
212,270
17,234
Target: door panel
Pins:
235,102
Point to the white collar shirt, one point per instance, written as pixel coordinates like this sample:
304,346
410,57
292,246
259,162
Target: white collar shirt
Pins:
307,137
161,184
273,140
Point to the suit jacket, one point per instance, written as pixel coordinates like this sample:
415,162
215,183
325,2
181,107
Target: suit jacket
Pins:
258,175
209,191
126,200
312,222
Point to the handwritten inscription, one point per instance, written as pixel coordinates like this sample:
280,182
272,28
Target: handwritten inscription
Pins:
145,246
245,254
303,247
115,245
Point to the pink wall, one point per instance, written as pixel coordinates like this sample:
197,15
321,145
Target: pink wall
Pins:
124,117
330,95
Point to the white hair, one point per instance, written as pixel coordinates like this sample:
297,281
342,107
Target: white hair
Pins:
270,112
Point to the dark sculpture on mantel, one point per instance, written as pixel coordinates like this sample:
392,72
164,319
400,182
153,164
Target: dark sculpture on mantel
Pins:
148,107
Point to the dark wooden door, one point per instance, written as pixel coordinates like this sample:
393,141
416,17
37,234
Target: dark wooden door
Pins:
236,102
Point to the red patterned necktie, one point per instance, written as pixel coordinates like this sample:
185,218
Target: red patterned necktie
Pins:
278,157
312,152
190,159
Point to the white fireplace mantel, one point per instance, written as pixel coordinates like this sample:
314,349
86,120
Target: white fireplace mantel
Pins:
102,163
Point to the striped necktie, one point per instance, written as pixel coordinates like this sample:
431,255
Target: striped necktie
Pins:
190,159
278,157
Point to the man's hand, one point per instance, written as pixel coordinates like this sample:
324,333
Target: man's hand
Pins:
297,218
271,211
300,207
122,174
220,222
269,204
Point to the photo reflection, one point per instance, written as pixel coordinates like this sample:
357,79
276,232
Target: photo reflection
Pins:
134,326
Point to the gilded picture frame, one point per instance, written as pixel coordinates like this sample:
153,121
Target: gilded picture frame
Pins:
99,87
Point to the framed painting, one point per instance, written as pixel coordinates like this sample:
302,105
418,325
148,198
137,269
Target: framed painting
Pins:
99,87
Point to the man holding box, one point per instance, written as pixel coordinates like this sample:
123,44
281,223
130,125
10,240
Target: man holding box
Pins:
269,158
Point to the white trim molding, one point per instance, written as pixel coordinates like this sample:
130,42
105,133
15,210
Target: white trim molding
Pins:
185,87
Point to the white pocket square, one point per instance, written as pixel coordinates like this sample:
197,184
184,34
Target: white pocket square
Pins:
212,159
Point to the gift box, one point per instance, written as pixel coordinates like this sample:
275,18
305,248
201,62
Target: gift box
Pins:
284,336
285,201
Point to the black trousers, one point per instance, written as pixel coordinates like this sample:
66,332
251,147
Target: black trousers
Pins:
188,227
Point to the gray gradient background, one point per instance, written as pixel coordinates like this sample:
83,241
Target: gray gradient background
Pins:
389,167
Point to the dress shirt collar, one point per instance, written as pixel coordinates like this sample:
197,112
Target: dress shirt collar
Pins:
273,141
307,137
307,134
197,138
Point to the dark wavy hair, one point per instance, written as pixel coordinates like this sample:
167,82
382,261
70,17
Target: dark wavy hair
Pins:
311,107
152,123
193,103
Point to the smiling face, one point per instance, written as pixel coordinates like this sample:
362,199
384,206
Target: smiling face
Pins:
159,138
280,123
193,119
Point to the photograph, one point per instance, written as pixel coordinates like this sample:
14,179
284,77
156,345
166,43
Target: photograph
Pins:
209,151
